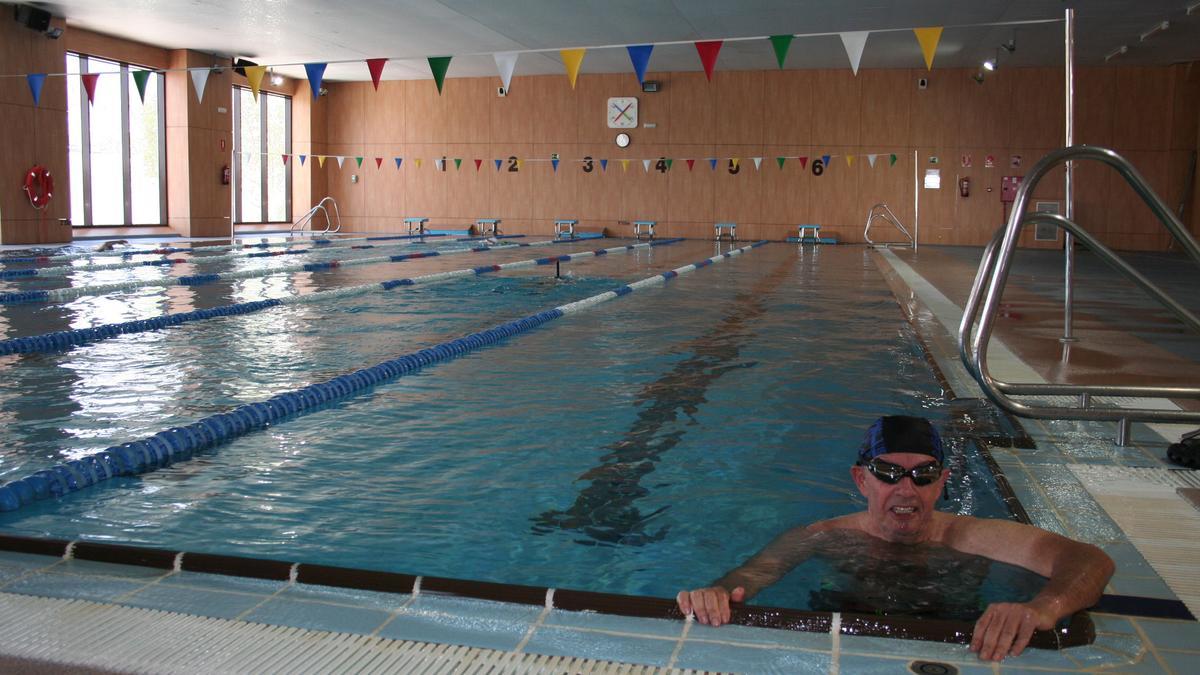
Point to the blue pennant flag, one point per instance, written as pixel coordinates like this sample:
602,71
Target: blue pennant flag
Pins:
36,80
498,163
315,71
555,163
712,162
640,56
604,165
825,160
302,158
398,160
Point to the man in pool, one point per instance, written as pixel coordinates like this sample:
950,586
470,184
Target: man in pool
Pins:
900,472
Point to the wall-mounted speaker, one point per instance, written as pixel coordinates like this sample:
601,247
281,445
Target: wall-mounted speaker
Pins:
32,17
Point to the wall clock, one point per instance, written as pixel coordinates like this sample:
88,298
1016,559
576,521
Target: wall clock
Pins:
622,112
622,140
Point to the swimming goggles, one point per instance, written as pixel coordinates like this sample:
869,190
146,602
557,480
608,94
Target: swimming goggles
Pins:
922,474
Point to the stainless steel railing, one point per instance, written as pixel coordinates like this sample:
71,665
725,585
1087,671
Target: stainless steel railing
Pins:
329,223
992,275
881,212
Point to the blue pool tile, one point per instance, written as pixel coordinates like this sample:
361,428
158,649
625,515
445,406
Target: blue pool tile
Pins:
915,649
346,596
54,585
104,569
743,659
193,601
1181,663
27,561
1113,623
1147,587
1184,635
318,616
1109,651
473,631
1129,560
222,582
486,609
761,636
556,641
615,624
877,665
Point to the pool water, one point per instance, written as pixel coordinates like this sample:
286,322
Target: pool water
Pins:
643,446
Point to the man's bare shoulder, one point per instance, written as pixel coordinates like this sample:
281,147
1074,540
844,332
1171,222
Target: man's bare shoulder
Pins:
852,521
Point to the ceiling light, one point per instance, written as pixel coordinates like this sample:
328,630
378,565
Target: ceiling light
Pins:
989,65
1010,46
276,79
1116,52
1157,28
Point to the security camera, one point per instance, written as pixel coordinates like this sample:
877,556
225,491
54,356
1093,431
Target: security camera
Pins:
323,91
922,83
501,91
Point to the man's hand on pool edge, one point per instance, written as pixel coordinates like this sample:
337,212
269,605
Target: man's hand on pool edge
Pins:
710,605
1006,627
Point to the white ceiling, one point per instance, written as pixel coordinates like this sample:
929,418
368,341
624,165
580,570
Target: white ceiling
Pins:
272,32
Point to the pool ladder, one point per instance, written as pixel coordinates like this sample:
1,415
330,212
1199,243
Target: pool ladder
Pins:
881,212
307,218
989,286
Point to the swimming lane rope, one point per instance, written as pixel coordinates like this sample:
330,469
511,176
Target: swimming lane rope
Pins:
181,443
55,341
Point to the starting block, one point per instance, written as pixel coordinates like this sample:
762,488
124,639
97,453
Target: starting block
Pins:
565,229
721,231
416,225
810,234
488,226
643,227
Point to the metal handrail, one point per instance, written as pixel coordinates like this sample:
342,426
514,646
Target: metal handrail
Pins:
329,227
992,275
890,217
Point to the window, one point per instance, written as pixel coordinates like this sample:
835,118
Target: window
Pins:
116,146
262,181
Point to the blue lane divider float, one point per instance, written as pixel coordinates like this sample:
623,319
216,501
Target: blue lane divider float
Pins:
180,444
70,292
48,342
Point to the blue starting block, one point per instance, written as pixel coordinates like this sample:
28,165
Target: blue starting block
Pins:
810,234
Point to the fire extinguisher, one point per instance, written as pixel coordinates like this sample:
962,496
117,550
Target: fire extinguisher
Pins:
964,187
225,175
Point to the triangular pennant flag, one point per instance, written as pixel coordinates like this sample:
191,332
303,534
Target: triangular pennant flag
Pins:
376,68
781,160
478,163
439,164
399,160
36,80
757,163
89,85
418,161
803,163
285,159
554,163
871,160
849,160
929,38
646,165
825,160
506,62
438,65
735,161
572,59
341,160
458,163
892,161
140,77
624,165
520,163
639,55
712,162
691,163
604,165
254,75
498,163
378,162
708,51
315,71
359,161
781,43
854,43
302,158
321,160
669,163
199,79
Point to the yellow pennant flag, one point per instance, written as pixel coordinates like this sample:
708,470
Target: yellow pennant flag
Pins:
321,160
928,37
735,162
849,160
572,59
520,163
418,161
254,75
624,165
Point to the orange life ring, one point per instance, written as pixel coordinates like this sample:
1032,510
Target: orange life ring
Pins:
39,187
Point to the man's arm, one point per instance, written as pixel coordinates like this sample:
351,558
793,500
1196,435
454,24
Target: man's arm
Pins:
1077,575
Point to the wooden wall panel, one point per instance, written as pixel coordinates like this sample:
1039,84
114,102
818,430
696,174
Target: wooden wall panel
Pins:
740,99
886,105
692,110
1094,89
1145,95
83,41
837,114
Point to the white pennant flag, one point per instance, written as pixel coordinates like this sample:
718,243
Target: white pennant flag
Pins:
757,163
871,159
340,159
854,44
199,79
646,165
505,63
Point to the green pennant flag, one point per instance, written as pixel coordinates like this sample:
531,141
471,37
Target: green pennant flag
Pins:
893,161
781,160
139,78
438,65
669,163
457,163
359,160
781,44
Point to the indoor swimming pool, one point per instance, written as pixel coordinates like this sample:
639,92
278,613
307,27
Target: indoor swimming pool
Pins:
645,445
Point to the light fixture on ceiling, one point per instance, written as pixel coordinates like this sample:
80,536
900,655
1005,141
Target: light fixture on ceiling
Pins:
1010,46
1115,53
1193,8
1156,28
276,79
989,65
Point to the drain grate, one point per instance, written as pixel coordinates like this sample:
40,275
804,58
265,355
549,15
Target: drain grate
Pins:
85,634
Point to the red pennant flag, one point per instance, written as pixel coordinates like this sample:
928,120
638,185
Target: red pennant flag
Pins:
478,163
89,84
285,158
378,162
708,55
376,68
690,162
803,163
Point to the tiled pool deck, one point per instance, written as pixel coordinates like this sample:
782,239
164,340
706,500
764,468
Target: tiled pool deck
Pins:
1051,494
